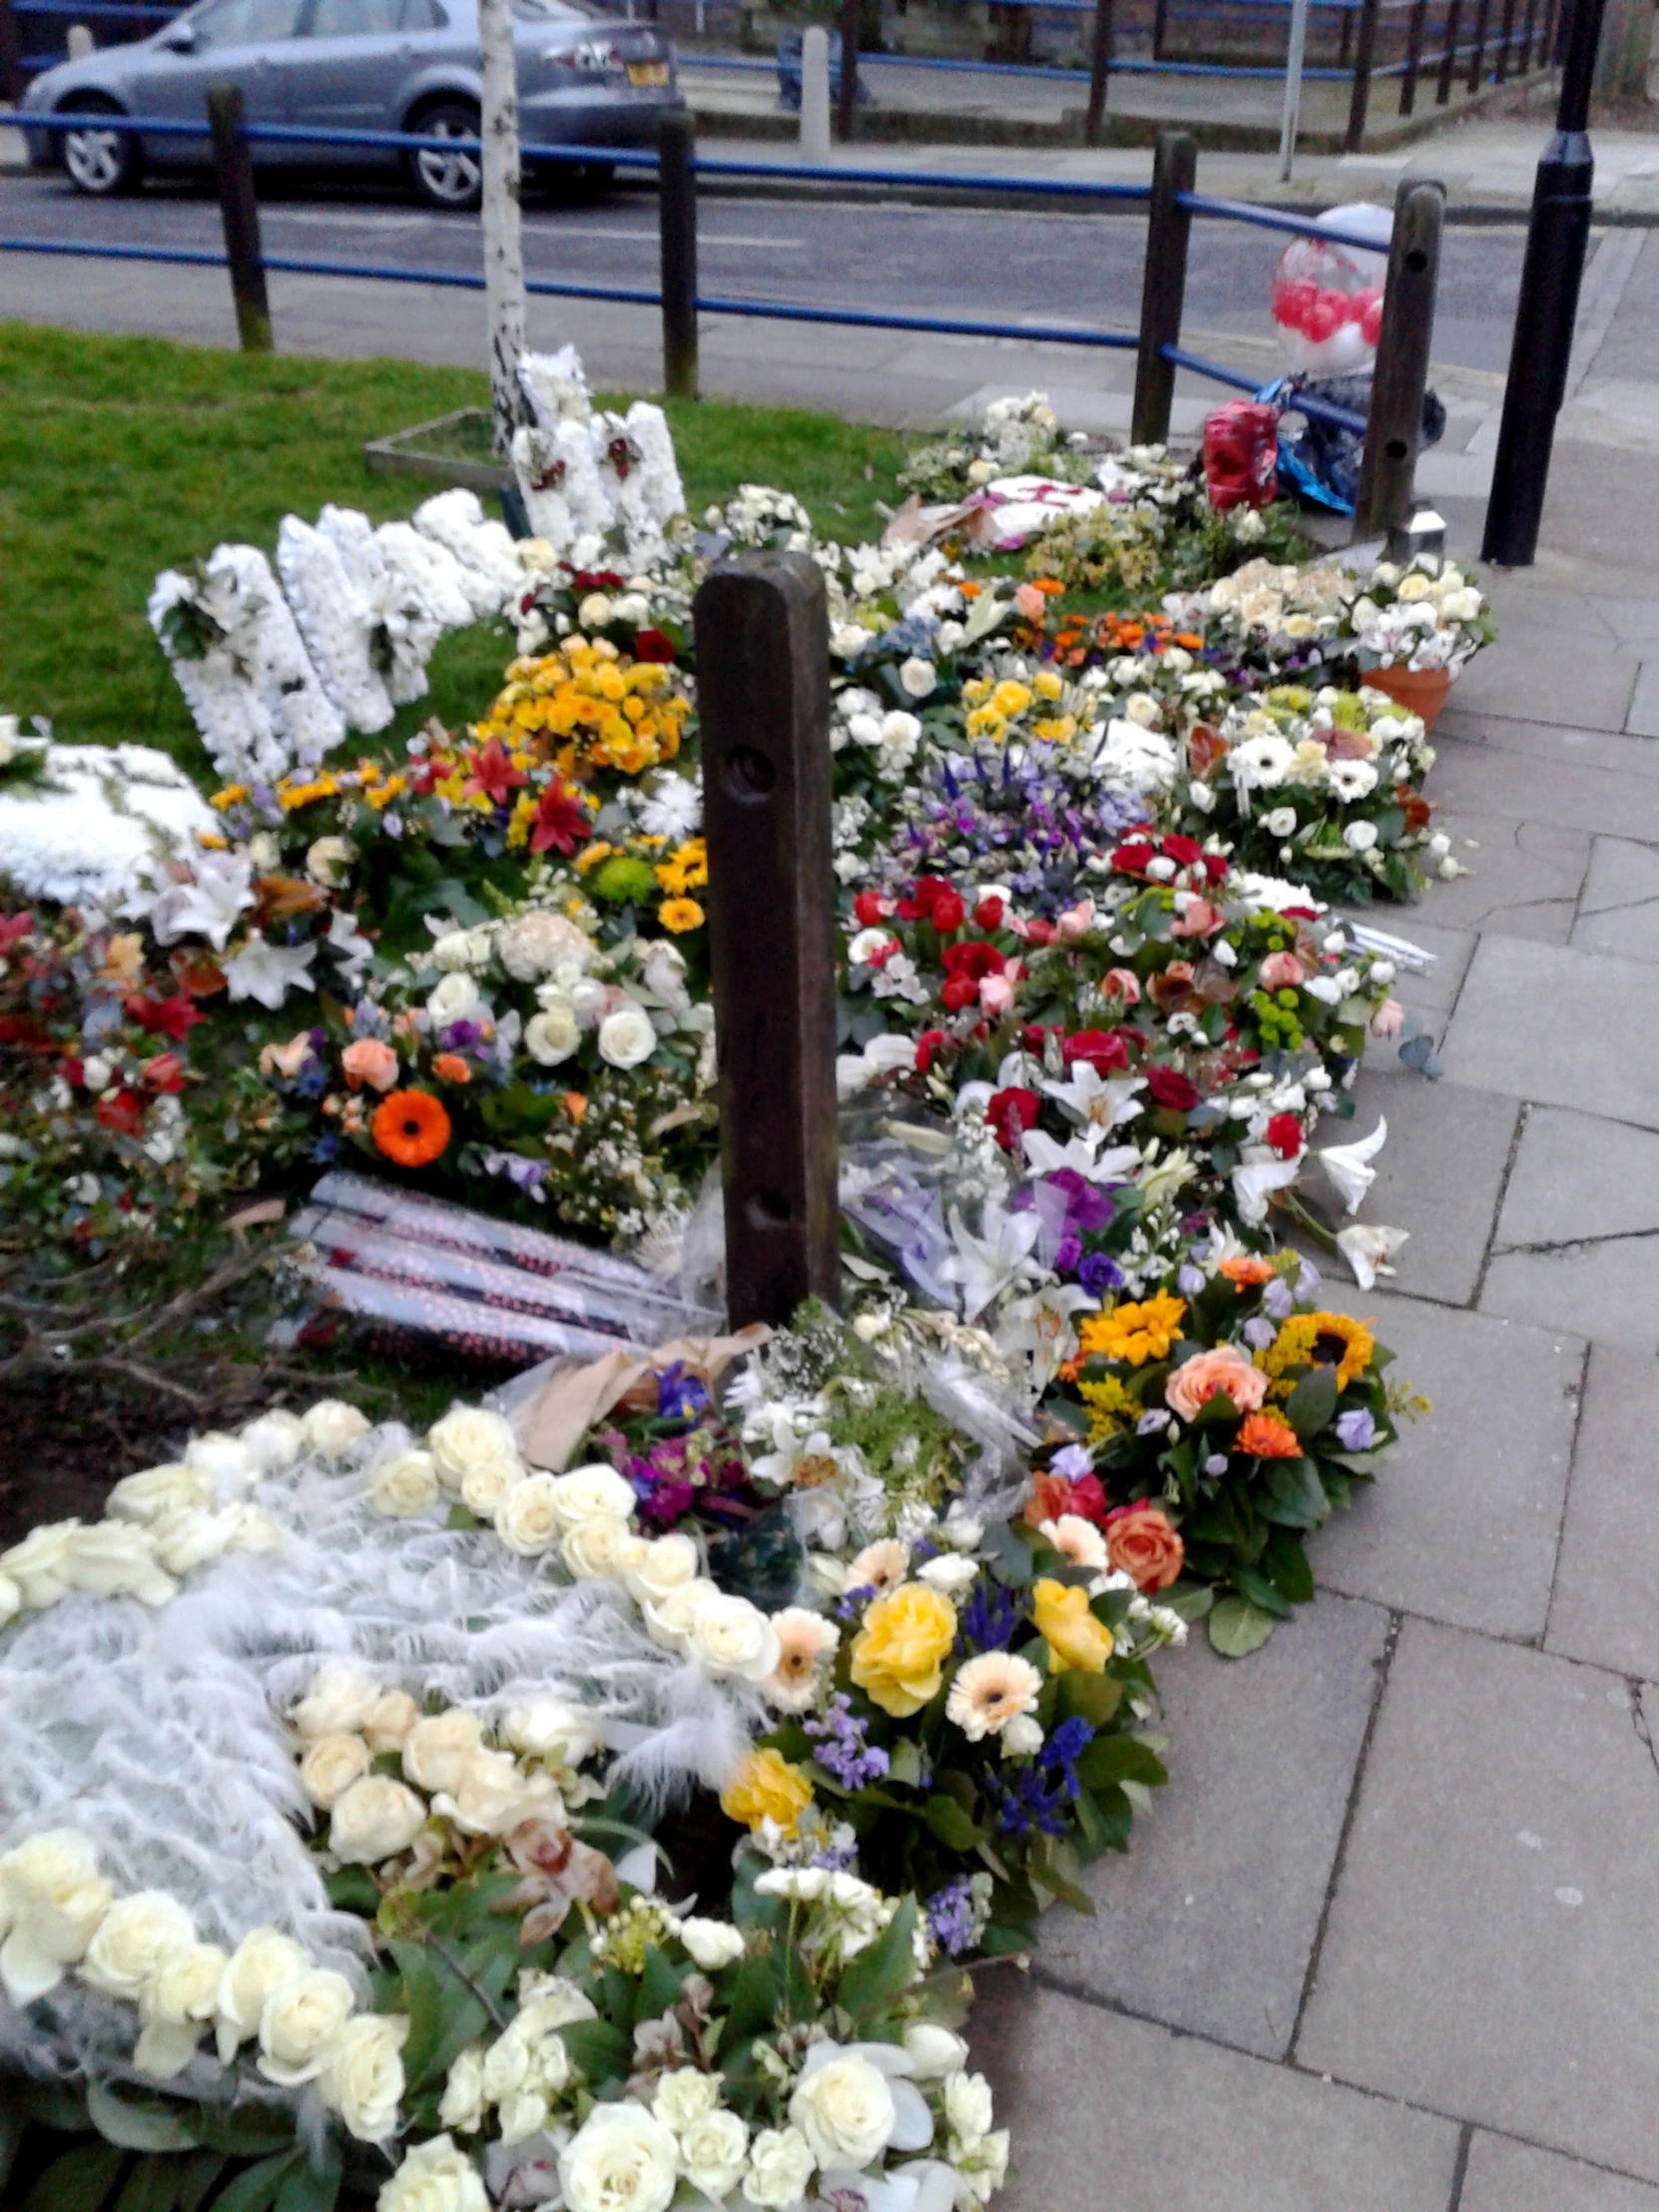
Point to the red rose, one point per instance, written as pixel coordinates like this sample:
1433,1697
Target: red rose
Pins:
165,1072
163,1017
1184,852
1133,860
652,645
73,1072
121,1110
869,907
1284,1133
1088,1499
958,991
1169,1087
1104,1050
1033,1035
1038,932
1215,866
974,960
919,905
988,914
948,914
1010,1112
927,1045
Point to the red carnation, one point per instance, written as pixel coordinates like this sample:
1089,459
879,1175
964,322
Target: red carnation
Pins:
919,905
1104,1050
975,960
652,645
1038,932
1169,1087
1012,1112
1134,860
1215,866
1284,1133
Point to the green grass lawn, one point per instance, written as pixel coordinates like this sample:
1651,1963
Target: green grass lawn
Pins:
123,457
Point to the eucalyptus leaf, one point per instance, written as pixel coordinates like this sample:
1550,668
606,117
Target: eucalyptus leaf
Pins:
150,2127
1237,1628
883,1973
254,2188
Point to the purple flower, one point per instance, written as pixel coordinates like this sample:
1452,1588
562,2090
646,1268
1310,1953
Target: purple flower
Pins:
1357,1431
950,1917
1087,1208
1258,1334
1189,1281
1066,1255
1215,1463
990,1618
1276,1300
1072,1462
842,1748
1098,1274
680,1396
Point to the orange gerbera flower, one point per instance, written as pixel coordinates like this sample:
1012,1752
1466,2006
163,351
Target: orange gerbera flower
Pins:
1247,1271
410,1127
1268,1436
450,1067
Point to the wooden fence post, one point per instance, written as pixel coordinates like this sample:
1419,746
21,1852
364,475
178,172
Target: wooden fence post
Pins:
763,680
241,211
1393,424
676,215
1100,70
1163,283
1359,97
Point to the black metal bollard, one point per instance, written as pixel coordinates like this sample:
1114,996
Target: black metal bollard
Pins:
847,99
1477,61
763,673
1359,97
1448,57
241,211
1393,422
676,213
11,56
1163,283
1413,57
1100,70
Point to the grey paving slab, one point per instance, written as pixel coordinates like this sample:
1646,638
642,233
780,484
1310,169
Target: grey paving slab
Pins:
1609,1291
1485,1471
1513,1003
1505,2176
1563,786
1109,2111
1603,1608
1562,746
1438,1175
1493,1948
1209,1921
1618,911
1633,621
1642,720
1525,875
1544,673
1578,1177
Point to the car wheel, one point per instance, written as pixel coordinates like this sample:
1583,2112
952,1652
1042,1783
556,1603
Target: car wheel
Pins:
101,163
452,181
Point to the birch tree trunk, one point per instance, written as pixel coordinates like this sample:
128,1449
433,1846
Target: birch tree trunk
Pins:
503,245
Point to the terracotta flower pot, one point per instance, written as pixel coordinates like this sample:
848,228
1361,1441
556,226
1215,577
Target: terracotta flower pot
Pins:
1419,691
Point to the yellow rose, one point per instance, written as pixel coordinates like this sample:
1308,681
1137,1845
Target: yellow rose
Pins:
1073,1635
766,1788
905,1639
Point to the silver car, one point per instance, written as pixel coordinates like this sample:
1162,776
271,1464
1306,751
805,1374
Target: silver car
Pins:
584,79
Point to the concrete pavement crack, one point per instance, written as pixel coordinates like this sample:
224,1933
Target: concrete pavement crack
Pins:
1572,1243
1639,1719
1459,2171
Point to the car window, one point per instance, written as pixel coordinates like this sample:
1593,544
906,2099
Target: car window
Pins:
355,18
423,15
244,22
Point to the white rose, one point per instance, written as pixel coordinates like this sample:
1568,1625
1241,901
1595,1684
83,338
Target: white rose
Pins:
967,2105
669,1562
97,1074
527,1519
298,2023
669,1621
492,1797
329,861
728,1636
845,2111
1202,796
602,1550
275,1439
620,2160
174,2006
594,611
55,1899
362,2074
336,1704
435,2177
1280,822
948,1574
467,1436
714,2151
592,1492
376,1820
331,1764
1359,837
933,2052
626,1037
403,1486
387,1722
462,2104
552,1035
37,1565
117,1560
1022,1736
486,1483
917,677
264,1961
1414,586
685,2095
227,1460
165,1489
452,951
11,1600
333,1427
553,1729
455,997
712,1944
182,1542
781,2164
436,1749
1142,708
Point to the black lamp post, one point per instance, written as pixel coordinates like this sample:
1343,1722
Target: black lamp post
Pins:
1557,237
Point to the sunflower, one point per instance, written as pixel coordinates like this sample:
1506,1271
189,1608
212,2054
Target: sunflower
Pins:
1135,1332
410,1127
1318,1341
679,914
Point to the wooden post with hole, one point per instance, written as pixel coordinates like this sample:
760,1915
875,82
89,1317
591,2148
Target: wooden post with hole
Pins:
1393,423
241,211
1163,283
676,215
763,681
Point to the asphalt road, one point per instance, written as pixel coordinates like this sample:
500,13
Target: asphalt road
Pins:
1048,267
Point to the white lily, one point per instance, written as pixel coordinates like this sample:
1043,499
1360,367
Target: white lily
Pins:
207,906
347,944
1039,1325
1099,1101
986,1265
1349,1165
856,1071
1082,1152
1254,1179
1367,1251
268,971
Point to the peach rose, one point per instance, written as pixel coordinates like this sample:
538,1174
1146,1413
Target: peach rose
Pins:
1191,1384
370,1061
1281,971
286,1059
1387,1019
1142,1542
1124,984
